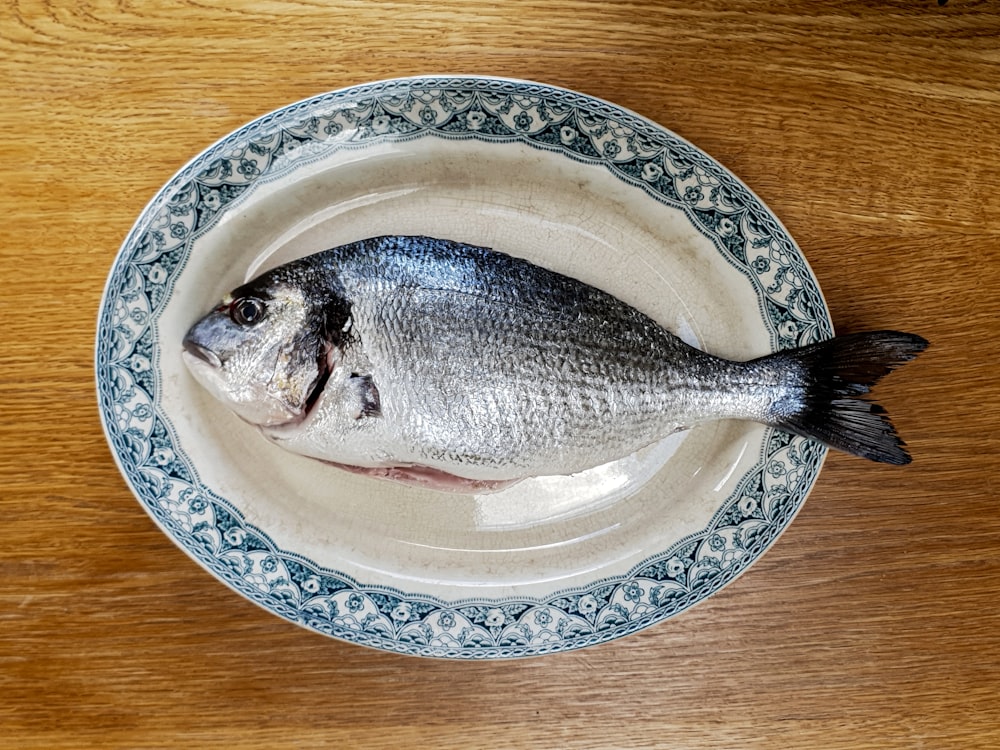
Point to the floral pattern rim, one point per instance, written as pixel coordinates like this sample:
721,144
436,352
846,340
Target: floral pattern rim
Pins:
491,110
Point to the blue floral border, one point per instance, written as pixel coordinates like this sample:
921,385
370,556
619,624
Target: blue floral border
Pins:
215,533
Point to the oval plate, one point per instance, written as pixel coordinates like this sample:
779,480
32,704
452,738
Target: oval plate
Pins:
570,182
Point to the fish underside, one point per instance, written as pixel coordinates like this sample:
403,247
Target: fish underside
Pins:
437,363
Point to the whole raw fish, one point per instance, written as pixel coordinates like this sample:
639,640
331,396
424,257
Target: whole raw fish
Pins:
435,362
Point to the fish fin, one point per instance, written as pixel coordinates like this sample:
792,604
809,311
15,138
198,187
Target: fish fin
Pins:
370,403
836,374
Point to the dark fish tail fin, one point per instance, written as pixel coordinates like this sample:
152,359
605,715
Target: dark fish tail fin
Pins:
835,374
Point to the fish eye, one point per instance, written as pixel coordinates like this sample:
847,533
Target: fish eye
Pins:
246,311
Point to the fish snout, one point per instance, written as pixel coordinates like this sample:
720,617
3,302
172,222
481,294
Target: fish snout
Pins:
209,340
201,352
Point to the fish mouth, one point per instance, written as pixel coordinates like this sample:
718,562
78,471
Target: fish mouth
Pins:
205,355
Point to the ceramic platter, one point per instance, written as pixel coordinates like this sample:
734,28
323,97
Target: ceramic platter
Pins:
570,182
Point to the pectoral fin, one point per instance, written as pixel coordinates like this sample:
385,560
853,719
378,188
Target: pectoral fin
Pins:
369,403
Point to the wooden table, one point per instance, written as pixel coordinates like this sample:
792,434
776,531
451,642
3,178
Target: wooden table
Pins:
871,129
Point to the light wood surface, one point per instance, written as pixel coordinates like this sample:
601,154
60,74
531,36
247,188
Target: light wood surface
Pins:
871,129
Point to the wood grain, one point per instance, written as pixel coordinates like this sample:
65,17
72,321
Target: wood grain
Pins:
871,129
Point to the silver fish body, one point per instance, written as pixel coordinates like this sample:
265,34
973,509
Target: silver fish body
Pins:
413,352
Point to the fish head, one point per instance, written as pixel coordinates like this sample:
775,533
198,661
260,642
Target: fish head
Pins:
265,351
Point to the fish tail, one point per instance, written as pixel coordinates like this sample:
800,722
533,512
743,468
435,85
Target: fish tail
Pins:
832,377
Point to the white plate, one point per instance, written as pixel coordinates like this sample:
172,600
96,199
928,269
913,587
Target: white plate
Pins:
570,182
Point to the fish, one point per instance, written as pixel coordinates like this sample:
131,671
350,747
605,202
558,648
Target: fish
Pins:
451,366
